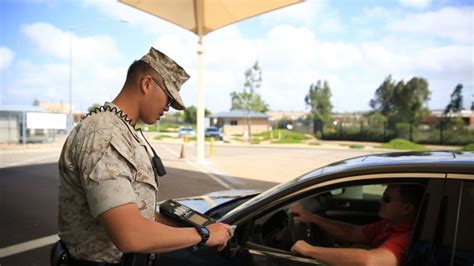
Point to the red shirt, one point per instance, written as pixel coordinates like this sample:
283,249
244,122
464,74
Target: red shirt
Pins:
393,238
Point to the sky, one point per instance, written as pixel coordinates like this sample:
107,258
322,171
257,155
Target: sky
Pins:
352,44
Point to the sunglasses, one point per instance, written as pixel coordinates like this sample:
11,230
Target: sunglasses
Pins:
170,98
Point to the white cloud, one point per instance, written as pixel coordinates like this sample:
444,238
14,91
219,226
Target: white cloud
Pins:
6,58
39,35
140,20
415,3
454,24
436,45
54,42
97,67
302,13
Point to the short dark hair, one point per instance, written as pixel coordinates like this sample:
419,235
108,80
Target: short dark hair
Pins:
411,193
136,69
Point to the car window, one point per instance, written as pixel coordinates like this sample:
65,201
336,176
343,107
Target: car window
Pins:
355,204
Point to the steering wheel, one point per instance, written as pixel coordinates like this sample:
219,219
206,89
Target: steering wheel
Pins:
282,231
298,230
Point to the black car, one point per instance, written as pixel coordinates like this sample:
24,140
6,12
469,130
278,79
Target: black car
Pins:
347,191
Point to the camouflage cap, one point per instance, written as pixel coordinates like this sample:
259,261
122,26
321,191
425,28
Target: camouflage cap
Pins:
173,74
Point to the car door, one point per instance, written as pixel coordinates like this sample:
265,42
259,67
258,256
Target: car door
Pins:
454,244
422,247
260,253
444,236
463,240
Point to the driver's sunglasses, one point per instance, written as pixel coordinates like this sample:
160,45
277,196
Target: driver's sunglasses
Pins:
170,99
386,198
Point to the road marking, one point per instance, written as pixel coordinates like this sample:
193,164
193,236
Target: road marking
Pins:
206,171
44,159
28,245
202,168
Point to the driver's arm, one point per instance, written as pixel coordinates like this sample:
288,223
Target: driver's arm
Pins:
346,256
342,231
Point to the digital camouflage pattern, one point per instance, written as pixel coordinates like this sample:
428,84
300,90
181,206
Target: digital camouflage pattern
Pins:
104,164
173,74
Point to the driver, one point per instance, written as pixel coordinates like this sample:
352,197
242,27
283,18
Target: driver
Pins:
388,238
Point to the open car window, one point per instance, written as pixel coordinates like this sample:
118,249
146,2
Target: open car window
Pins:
352,203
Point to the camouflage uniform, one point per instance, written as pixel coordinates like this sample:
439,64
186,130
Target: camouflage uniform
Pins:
103,164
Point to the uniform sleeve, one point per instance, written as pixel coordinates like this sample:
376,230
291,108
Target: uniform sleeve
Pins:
107,178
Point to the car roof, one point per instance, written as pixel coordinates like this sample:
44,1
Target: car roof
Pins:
436,160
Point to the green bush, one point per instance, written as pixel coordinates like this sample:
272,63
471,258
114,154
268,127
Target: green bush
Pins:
282,136
356,146
403,144
356,134
255,141
469,147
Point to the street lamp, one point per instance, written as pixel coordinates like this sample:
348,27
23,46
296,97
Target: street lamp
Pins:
70,120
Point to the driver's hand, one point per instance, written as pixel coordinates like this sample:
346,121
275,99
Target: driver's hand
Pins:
302,247
300,213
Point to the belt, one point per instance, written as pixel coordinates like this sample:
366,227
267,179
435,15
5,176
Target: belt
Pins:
74,262
127,259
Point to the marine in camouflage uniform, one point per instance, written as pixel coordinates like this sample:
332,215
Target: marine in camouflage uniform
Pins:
107,179
104,164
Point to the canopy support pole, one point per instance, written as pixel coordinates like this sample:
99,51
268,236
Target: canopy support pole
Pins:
200,102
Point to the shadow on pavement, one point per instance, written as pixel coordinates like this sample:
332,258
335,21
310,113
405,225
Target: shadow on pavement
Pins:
28,201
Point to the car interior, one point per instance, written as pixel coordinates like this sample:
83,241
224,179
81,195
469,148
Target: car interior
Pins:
354,204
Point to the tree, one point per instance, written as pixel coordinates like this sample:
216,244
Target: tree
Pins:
383,100
400,102
190,114
248,100
411,101
455,105
319,99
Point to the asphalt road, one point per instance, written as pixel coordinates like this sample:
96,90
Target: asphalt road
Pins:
28,198
29,185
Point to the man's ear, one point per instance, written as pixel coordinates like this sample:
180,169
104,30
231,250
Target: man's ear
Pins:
145,84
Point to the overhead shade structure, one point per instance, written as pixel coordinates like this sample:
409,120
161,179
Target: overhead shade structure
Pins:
202,17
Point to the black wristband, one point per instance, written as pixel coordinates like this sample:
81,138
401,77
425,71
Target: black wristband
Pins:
204,233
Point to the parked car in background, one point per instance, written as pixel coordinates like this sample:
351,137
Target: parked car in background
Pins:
186,131
214,132
348,191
